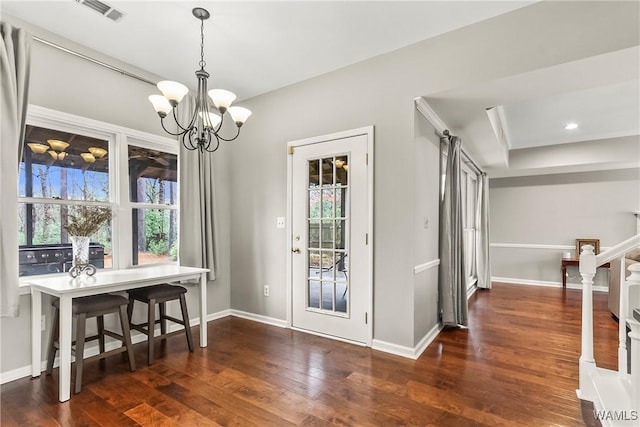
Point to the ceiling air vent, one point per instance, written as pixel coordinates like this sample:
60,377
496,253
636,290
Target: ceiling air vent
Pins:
102,8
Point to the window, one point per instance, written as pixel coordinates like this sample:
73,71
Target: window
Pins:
68,162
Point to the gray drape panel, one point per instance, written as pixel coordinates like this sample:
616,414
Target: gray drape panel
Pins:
197,202
483,264
452,280
15,62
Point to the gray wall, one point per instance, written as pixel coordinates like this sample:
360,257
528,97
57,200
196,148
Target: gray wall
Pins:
72,85
380,92
427,206
556,210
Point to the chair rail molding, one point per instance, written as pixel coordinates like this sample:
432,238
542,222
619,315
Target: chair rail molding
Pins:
426,266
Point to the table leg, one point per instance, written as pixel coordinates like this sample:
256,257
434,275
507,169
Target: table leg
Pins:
564,276
36,332
203,310
65,348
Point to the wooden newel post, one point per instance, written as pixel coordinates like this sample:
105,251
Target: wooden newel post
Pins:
587,362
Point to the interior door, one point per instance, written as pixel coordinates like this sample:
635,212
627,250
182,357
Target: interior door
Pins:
331,280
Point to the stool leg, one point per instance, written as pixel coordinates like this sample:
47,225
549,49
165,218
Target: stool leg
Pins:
126,333
163,317
55,331
100,320
80,336
151,329
185,319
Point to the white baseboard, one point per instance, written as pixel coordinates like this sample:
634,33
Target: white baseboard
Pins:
259,318
92,348
408,352
596,288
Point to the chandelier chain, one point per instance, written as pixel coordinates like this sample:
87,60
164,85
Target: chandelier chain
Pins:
202,61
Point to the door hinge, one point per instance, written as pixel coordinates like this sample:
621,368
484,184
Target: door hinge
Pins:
290,150
366,159
366,239
366,318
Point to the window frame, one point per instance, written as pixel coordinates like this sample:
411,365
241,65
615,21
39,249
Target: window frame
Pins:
119,138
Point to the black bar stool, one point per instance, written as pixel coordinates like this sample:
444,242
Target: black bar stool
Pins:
86,307
159,294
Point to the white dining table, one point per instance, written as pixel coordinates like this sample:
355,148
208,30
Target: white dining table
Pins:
67,288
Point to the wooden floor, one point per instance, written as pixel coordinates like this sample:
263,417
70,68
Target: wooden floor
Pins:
516,365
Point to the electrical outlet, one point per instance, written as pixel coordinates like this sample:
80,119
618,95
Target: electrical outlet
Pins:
43,322
280,222
266,290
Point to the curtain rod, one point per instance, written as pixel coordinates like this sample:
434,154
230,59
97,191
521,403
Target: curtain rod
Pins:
448,135
95,61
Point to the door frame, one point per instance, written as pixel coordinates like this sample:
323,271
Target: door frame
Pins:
291,145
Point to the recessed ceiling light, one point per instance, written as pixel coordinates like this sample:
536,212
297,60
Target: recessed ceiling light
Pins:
571,126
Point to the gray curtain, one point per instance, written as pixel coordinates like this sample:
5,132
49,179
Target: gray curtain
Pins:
197,202
483,264
15,59
452,280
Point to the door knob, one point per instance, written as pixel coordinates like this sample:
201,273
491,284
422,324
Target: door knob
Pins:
295,250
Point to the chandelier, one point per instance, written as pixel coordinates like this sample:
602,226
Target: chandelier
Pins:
202,132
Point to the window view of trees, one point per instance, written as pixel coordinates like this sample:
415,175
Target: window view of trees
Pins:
153,178
61,171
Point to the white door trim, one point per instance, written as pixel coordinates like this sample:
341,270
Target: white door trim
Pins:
368,131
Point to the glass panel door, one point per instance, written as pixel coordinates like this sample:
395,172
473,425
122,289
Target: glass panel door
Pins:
327,228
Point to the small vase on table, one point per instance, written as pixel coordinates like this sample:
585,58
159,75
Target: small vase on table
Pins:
80,262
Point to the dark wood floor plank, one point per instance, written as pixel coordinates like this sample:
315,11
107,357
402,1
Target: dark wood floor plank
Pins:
516,365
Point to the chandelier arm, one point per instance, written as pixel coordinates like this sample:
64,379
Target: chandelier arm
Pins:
228,140
217,144
188,127
187,140
169,132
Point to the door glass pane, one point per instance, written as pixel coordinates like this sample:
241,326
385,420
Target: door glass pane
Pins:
327,234
314,173
328,207
342,170
314,204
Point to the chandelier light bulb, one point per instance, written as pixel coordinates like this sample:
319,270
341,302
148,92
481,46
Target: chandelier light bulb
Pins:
88,157
98,152
222,99
173,91
57,145
239,115
214,119
161,105
38,148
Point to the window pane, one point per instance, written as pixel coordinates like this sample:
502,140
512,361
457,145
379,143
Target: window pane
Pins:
153,176
156,231
45,246
64,166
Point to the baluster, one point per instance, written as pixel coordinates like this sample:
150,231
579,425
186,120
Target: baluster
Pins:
633,281
622,314
587,362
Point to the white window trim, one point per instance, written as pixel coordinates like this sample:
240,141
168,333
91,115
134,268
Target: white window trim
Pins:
117,136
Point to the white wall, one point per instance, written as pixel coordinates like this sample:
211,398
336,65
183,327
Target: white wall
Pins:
554,210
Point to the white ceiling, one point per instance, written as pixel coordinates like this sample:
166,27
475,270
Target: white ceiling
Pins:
601,94
600,112
253,47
